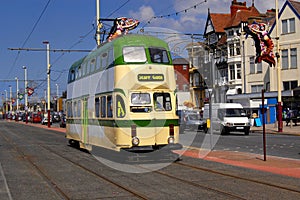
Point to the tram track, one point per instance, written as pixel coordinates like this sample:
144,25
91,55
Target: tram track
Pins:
51,183
129,190
236,177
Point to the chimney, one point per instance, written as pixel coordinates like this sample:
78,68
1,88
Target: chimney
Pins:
235,6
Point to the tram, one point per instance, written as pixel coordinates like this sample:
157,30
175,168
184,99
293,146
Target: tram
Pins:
123,96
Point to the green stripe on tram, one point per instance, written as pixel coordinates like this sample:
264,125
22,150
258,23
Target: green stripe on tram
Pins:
127,123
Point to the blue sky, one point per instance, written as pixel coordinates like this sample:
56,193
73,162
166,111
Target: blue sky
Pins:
68,24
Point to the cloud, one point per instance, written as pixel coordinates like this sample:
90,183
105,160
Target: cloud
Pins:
144,13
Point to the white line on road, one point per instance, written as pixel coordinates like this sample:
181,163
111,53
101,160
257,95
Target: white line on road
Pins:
5,183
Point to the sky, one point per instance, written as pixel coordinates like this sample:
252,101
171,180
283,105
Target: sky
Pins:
70,24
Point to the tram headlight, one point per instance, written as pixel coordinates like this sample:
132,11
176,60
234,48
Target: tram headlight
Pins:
135,141
171,140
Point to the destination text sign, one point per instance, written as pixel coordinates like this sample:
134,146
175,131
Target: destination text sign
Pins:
150,77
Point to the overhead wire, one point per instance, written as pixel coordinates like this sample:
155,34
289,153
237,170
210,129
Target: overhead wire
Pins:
87,34
29,35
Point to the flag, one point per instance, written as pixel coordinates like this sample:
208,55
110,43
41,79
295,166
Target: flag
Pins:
20,96
30,91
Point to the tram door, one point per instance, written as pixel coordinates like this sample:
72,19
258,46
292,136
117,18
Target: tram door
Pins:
84,121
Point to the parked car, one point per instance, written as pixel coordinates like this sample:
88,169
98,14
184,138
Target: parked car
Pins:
36,118
56,117
191,120
45,119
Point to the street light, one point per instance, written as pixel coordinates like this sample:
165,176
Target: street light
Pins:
10,98
48,79
6,106
26,96
17,93
57,102
279,105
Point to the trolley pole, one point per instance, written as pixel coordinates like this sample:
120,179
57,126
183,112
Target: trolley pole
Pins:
98,22
279,105
48,80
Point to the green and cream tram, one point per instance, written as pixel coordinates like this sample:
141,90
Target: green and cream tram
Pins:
122,96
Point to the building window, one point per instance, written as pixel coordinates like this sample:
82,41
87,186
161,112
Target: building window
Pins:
289,85
256,88
186,88
293,57
231,72
231,49
252,65
285,60
184,67
238,71
258,68
238,49
288,26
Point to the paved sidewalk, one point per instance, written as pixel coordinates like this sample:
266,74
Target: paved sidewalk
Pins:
273,129
272,164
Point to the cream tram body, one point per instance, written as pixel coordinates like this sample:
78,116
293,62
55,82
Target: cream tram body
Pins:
122,96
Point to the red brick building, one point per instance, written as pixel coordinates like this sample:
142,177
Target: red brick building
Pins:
181,67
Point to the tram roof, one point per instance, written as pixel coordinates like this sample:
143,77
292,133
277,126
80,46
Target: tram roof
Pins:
125,40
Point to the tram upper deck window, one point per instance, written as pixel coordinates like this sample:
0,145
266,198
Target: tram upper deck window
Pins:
158,55
134,54
140,98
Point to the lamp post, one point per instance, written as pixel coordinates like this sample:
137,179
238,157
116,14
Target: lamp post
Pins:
279,106
10,98
6,106
26,94
17,93
57,102
48,80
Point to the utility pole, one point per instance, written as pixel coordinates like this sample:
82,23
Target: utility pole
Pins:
48,80
279,106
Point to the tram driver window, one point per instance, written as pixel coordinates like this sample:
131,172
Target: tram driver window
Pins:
140,98
158,55
162,102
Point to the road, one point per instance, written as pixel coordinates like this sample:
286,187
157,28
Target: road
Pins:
37,163
286,146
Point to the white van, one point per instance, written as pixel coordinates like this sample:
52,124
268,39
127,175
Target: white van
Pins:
227,117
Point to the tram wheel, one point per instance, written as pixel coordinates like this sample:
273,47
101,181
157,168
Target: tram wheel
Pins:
74,143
